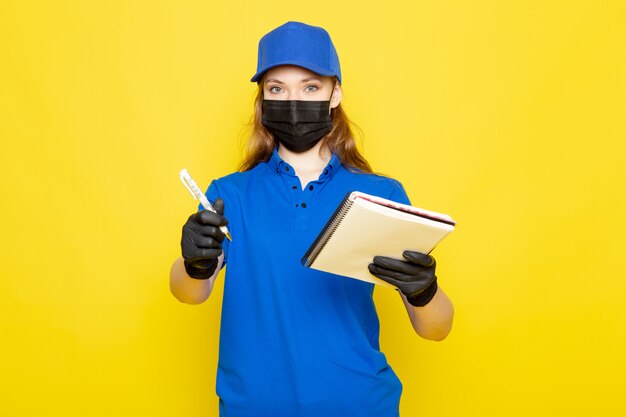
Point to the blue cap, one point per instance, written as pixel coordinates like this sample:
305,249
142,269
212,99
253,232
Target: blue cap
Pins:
297,43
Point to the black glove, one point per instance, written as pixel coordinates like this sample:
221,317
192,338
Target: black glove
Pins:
202,241
415,277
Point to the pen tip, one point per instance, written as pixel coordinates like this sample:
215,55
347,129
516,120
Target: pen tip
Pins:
229,237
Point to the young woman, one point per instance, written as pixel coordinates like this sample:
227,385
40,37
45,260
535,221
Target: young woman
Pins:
295,341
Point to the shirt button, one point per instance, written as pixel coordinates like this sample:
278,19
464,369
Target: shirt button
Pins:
303,205
294,187
286,168
310,187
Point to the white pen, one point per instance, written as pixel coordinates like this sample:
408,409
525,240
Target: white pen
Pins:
191,185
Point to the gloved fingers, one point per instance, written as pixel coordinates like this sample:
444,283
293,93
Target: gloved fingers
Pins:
207,217
381,272
419,258
218,205
408,285
201,254
397,265
375,271
207,242
190,250
210,231
202,263
202,237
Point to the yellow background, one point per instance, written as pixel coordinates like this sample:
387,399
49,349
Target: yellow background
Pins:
510,116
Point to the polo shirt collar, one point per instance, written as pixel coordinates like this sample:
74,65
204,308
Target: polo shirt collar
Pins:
277,164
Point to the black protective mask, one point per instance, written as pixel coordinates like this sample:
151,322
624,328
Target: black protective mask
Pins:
297,124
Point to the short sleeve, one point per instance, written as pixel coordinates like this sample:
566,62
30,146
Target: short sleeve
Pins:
212,193
397,193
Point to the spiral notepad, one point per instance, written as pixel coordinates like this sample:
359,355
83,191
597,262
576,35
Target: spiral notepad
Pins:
364,226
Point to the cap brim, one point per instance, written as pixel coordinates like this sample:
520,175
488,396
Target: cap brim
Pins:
308,66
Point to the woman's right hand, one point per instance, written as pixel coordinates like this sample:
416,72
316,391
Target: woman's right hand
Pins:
201,242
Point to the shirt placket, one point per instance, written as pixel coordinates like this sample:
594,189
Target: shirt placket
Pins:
301,199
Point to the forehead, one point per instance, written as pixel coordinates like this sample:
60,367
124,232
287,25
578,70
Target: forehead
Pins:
291,73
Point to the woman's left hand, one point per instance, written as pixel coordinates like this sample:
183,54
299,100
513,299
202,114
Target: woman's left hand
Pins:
415,277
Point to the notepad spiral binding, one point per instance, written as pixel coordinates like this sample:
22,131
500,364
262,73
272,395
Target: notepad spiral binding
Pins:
327,232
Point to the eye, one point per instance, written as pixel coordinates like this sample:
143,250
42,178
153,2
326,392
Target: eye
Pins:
272,89
315,88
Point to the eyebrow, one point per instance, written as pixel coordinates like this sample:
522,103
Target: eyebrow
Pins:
273,80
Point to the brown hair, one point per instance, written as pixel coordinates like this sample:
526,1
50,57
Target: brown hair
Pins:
340,140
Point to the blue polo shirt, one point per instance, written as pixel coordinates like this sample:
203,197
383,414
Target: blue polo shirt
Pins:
295,341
